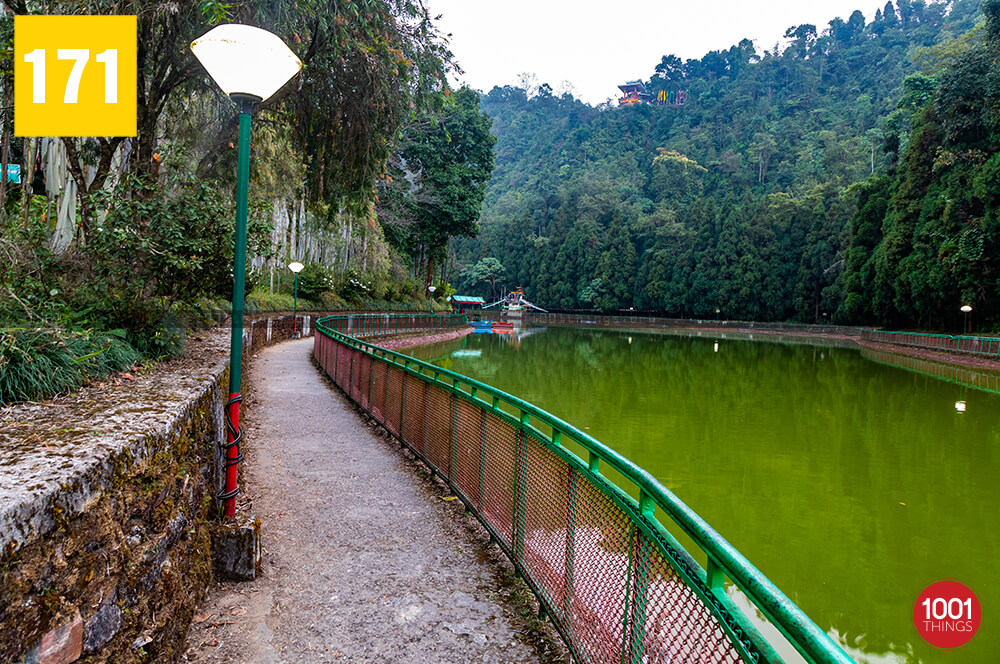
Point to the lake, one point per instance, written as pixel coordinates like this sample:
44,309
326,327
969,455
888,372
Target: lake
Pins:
849,483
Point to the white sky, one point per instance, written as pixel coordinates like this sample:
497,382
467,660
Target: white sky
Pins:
595,46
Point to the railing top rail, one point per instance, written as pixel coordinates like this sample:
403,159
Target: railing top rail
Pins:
803,633
931,335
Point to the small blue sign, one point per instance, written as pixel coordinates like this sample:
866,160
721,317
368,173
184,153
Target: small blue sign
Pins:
14,173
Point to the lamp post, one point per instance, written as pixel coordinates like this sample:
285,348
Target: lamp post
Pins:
295,267
250,65
965,311
432,289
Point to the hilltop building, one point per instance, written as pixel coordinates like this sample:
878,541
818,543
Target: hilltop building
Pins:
634,92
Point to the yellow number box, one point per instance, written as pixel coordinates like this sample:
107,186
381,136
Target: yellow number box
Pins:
74,75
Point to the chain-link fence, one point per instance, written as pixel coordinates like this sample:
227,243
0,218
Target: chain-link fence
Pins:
952,373
968,345
616,584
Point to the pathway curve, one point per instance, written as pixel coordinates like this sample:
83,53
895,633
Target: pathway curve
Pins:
363,560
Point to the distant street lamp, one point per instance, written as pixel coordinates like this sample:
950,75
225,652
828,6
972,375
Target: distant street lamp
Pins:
295,267
432,289
717,311
965,310
250,65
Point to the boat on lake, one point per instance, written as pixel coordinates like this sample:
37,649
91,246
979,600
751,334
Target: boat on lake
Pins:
514,305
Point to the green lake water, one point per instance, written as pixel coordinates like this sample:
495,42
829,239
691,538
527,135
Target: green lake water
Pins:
852,485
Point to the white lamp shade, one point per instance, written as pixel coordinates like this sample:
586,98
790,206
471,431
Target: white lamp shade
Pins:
966,308
246,60
296,267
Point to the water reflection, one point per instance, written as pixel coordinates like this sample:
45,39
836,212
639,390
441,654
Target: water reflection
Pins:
851,484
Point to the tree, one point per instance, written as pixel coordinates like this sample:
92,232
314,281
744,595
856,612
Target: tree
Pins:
449,160
670,69
761,151
490,270
747,205
164,66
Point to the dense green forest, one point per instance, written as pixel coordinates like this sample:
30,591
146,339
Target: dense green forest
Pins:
845,174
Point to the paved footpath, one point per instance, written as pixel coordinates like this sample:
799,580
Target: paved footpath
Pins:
363,560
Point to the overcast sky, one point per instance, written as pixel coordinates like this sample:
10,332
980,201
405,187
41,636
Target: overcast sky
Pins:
595,46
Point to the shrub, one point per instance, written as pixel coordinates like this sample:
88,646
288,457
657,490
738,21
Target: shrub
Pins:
354,289
35,364
159,250
314,280
331,302
264,301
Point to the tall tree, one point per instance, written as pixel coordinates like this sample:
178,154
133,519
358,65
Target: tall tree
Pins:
449,159
488,270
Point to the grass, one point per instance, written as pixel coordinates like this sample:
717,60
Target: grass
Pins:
37,364
260,301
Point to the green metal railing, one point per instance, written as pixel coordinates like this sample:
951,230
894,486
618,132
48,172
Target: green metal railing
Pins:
366,325
616,583
986,346
956,374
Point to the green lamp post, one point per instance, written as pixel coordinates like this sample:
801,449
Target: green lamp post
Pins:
295,267
250,65
965,311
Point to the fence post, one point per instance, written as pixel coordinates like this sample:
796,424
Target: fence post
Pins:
402,403
571,499
453,451
482,458
350,376
336,364
640,586
371,384
427,405
520,486
385,392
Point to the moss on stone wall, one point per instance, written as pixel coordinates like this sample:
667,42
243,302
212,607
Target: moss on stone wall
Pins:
124,551
134,564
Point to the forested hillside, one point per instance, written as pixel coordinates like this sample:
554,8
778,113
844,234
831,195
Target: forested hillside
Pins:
741,199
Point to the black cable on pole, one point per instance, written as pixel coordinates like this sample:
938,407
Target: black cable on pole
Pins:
237,434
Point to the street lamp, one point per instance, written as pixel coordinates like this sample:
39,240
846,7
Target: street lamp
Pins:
432,289
295,267
250,65
965,310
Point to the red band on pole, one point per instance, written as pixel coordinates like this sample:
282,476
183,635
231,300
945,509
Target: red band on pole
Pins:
234,436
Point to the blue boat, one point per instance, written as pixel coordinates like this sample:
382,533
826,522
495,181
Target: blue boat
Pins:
480,324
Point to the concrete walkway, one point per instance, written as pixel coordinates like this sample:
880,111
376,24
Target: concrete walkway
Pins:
363,560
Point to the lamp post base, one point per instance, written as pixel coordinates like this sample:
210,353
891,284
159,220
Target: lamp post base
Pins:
236,549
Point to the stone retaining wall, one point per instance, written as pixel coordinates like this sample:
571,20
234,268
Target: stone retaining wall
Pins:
106,508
